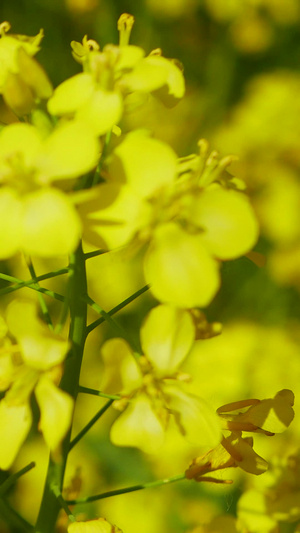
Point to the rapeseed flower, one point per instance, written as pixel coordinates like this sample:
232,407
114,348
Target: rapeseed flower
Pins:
97,94
30,361
152,388
187,214
269,416
23,82
35,215
277,501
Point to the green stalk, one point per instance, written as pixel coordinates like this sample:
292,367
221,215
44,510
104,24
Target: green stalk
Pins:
90,424
133,488
51,505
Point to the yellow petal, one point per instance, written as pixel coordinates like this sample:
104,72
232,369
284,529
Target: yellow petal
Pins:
34,75
15,423
174,88
10,222
229,224
56,409
253,512
99,525
101,111
112,215
179,269
51,225
20,143
41,348
17,95
248,459
121,372
129,56
196,420
70,151
71,94
138,426
167,336
147,76
144,163
274,414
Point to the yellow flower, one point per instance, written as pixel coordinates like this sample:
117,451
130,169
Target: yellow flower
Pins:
268,416
35,216
152,388
35,365
278,501
97,94
99,525
233,451
23,82
188,212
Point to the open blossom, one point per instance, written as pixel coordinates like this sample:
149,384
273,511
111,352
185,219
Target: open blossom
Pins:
269,416
35,215
98,94
23,82
189,214
30,363
152,388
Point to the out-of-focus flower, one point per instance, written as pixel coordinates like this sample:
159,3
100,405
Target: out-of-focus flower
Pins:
252,25
278,501
33,364
151,386
270,164
81,6
188,212
35,215
269,416
109,76
99,525
23,82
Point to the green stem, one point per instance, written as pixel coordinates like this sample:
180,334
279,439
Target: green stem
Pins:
120,306
95,392
134,488
30,285
89,255
90,424
7,484
43,305
51,505
19,283
64,504
114,325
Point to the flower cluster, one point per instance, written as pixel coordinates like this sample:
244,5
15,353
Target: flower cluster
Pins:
188,214
23,82
152,388
30,361
37,215
72,183
98,95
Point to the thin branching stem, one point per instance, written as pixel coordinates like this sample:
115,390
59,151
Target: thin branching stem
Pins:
118,307
90,424
125,490
94,392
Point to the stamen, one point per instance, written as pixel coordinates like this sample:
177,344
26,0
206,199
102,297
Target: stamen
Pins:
4,28
125,24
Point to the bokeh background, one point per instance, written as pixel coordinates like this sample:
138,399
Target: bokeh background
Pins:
241,61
